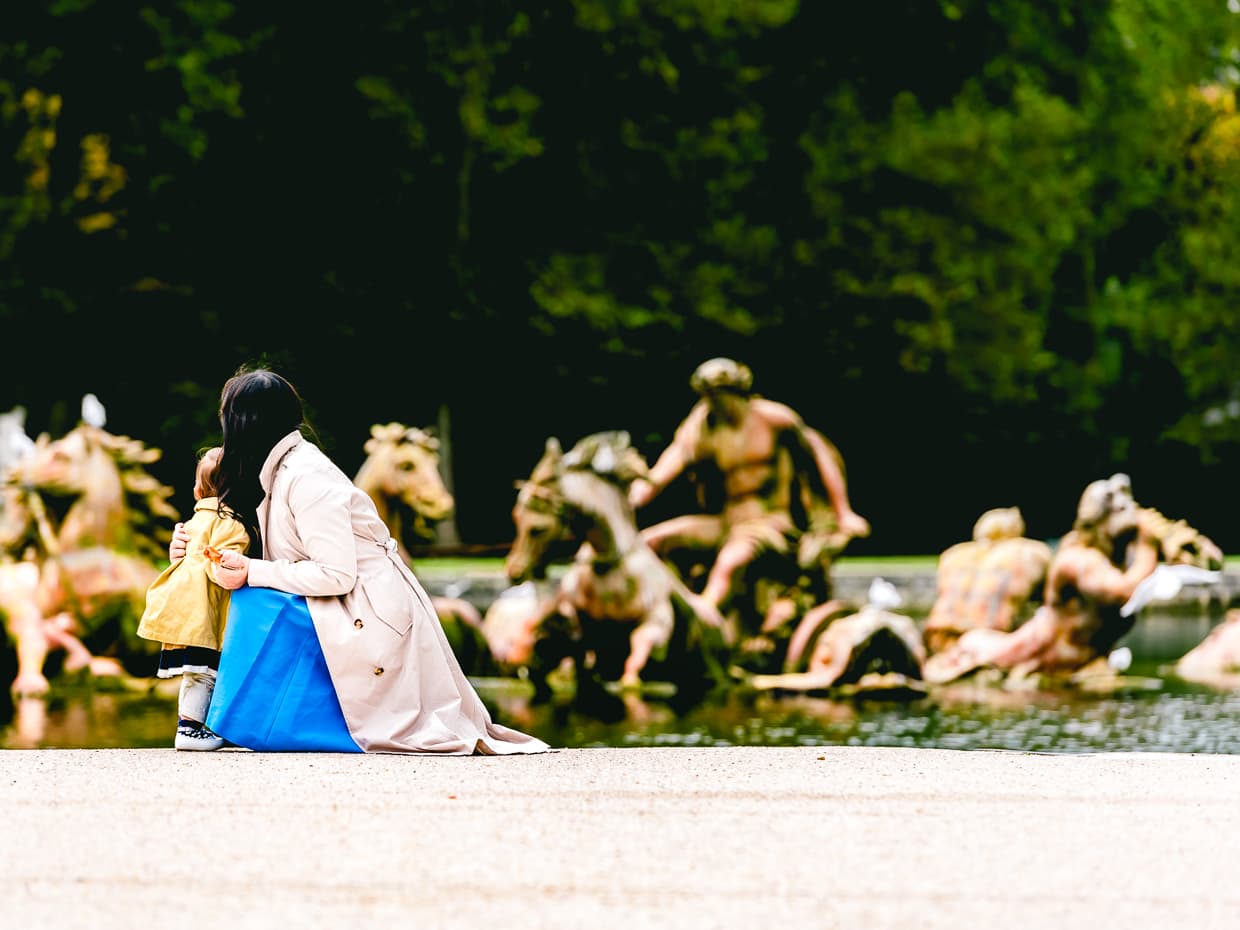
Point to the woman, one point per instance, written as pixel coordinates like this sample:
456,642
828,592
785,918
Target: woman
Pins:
331,643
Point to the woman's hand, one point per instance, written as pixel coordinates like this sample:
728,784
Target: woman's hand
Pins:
233,570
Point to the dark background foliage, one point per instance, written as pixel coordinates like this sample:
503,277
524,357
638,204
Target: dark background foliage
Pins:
989,249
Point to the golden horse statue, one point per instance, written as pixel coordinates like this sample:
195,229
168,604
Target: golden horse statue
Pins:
401,475
80,541
619,613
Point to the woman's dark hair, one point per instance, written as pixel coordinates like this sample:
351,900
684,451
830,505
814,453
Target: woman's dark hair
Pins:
258,408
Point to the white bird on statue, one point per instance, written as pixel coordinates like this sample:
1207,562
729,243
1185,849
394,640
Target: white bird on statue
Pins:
93,412
1164,583
1119,660
883,595
14,443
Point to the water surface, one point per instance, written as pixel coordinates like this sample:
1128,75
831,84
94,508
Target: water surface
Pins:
1156,713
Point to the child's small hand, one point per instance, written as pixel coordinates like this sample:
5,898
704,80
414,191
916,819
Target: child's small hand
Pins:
232,570
179,543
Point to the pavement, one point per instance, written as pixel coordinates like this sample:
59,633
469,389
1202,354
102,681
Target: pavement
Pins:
747,837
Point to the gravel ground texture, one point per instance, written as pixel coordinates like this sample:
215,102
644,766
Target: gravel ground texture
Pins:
630,838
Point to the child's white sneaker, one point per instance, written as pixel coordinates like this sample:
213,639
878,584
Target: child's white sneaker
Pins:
197,737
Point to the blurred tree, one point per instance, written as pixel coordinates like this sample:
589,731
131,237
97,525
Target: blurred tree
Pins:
110,110
993,239
998,208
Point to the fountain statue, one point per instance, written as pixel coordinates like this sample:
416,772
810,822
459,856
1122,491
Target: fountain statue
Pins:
783,513
987,582
1114,547
1215,661
873,652
619,614
82,529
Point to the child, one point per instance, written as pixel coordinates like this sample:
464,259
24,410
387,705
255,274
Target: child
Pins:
186,608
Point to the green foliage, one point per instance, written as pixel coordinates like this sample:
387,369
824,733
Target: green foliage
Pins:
194,43
1025,212
711,261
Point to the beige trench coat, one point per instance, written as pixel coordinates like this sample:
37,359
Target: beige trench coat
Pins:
399,683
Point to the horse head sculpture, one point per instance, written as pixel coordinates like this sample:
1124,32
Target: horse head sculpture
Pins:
401,475
96,491
573,495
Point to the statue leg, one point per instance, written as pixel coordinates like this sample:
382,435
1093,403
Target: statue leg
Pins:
735,554
1028,643
457,609
59,634
695,531
694,536
32,647
19,601
56,630
652,632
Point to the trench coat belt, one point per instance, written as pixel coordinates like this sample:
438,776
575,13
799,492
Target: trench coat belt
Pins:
392,551
388,545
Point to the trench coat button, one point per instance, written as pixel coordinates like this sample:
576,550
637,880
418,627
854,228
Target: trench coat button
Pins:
379,670
358,623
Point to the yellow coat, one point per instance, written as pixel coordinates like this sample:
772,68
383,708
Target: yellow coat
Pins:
185,605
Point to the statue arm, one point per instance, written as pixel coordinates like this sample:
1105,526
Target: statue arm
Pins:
832,475
1097,578
682,450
